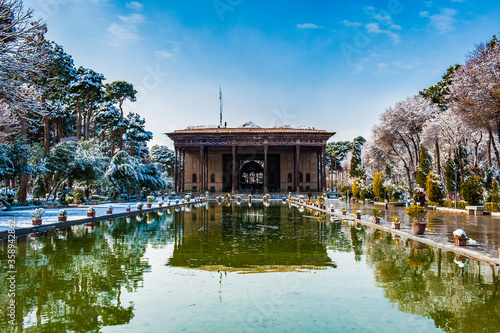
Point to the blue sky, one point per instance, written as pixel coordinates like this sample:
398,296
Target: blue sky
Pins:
333,65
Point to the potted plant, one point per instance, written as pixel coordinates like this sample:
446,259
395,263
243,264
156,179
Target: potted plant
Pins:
63,215
150,199
110,209
418,216
160,203
395,223
344,212
377,214
78,196
91,212
301,198
249,198
127,208
36,216
332,209
139,206
238,199
460,237
228,197
358,214
321,202
169,202
187,197
265,198
283,200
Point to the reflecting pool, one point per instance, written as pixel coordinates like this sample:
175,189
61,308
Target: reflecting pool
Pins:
240,268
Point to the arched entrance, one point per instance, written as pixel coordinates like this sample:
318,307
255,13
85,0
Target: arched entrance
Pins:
252,175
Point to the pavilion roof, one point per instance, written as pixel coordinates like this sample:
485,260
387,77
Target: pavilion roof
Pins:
250,130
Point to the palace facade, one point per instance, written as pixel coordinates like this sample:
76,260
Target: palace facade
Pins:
221,159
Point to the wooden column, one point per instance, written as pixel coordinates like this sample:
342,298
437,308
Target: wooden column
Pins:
183,170
323,168
202,168
318,169
176,171
266,147
297,171
235,171
206,187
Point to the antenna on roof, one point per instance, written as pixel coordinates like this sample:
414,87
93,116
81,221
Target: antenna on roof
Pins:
220,100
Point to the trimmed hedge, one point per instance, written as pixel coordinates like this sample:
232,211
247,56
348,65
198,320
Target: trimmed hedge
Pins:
451,204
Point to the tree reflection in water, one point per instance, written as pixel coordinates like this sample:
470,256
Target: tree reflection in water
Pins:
73,280
460,295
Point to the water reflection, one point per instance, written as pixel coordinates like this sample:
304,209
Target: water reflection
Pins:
74,279
249,239
458,294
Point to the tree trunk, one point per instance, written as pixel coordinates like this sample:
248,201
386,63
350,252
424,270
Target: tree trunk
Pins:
60,128
120,142
494,145
79,121
46,130
438,158
23,179
410,183
488,151
54,130
89,117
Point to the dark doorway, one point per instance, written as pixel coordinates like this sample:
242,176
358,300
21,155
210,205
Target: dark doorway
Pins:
252,175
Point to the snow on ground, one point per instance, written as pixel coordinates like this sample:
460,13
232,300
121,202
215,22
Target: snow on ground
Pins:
22,217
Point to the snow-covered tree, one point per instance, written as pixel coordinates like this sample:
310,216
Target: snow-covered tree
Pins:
398,134
475,91
136,136
356,169
163,157
21,38
119,92
86,91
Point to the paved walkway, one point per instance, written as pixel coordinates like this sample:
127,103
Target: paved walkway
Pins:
76,214
483,231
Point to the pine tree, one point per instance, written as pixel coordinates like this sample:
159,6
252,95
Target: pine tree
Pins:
356,188
434,188
378,185
424,167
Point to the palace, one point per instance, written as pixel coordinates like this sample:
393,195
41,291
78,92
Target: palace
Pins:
278,159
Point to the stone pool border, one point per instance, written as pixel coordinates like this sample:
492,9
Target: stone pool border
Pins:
60,225
423,239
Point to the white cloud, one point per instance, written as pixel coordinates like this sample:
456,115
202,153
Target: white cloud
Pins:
308,26
135,5
165,54
119,34
384,24
351,24
132,19
443,22
374,28
125,31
